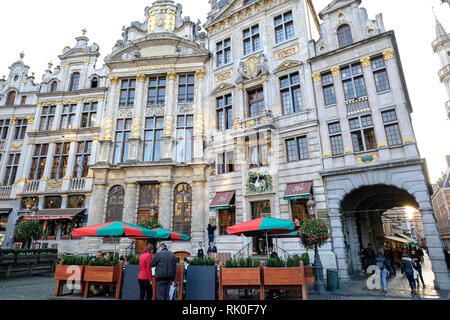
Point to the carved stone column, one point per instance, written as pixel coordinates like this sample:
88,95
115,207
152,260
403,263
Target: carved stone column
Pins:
136,133
198,211
129,212
169,118
96,214
106,134
199,118
166,204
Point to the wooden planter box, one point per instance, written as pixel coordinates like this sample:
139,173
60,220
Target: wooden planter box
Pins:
63,273
26,259
48,257
288,279
107,276
8,260
240,278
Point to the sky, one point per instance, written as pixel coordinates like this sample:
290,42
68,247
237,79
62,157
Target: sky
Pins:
43,28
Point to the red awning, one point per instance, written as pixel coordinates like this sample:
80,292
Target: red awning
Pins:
299,190
222,200
55,214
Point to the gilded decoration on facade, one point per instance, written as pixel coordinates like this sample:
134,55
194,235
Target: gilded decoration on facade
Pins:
259,183
283,54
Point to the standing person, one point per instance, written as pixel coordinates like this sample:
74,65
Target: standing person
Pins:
211,230
416,258
145,274
409,270
166,270
362,254
99,254
212,250
370,255
420,254
1,254
447,258
389,261
382,264
201,250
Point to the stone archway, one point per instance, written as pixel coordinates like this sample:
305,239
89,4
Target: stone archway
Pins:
362,211
408,182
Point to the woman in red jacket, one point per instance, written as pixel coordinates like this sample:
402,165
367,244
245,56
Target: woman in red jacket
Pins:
145,274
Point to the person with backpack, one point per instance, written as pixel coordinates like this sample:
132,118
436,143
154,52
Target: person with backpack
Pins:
409,269
416,258
380,261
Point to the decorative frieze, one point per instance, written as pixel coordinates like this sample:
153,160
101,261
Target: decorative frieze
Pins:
283,54
388,54
336,71
365,62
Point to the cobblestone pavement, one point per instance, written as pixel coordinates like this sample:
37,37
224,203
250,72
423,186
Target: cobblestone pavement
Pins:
42,288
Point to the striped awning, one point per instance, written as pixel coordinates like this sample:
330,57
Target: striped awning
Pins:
222,200
55,214
299,190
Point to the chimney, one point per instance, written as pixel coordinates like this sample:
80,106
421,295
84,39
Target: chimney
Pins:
448,161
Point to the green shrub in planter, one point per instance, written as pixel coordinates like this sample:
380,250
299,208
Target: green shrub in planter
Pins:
75,261
133,260
104,262
305,259
242,263
275,263
202,262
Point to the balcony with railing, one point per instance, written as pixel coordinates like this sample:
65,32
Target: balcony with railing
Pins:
77,184
444,72
266,118
357,105
32,186
5,192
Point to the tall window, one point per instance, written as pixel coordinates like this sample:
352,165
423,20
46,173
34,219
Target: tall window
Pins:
154,128
156,91
363,133
284,27
329,93
74,81
114,211
224,111
380,74
38,162
10,98
344,35
77,202
21,129
223,52
11,169
255,102
67,116
123,136
53,202
60,159
4,128
54,86
183,209
251,40
297,149
225,163
127,92
392,128
89,114
257,152
82,159
185,142
47,117
353,82
186,86
23,100
337,144
291,96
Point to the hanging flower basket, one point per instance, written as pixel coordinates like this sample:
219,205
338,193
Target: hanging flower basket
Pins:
314,233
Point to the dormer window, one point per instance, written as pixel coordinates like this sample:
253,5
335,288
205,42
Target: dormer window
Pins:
54,86
94,83
11,98
74,81
344,35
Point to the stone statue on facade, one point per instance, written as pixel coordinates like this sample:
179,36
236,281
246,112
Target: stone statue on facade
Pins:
252,67
214,5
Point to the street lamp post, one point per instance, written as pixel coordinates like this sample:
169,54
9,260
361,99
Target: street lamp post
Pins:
319,283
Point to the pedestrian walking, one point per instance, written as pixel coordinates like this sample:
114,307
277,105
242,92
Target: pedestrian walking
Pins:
382,264
420,254
1,254
362,254
145,274
447,258
416,258
388,255
370,255
212,250
166,270
201,250
409,270
211,230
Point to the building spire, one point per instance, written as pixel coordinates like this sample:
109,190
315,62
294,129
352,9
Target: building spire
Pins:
440,31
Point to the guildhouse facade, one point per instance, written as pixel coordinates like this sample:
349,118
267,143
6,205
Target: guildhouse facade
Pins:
371,162
250,115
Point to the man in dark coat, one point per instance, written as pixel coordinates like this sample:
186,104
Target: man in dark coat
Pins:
1,255
166,270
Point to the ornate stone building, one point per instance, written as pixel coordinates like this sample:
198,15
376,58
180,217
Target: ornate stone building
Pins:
441,204
151,161
55,183
18,95
370,155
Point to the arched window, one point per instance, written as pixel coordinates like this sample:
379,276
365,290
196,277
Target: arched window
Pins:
74,81
344,35
94,82
11,98
54,86
114,211
182,213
